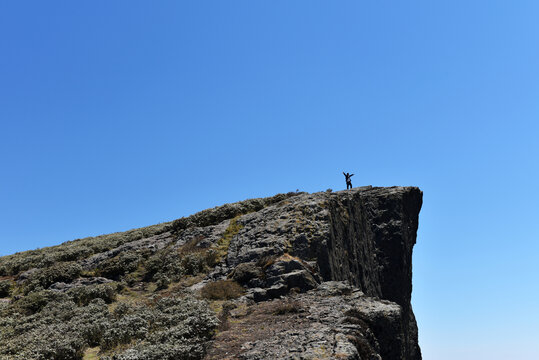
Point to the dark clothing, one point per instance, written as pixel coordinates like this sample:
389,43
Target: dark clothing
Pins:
348,177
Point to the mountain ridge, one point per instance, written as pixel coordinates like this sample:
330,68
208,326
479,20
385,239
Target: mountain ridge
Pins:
292,253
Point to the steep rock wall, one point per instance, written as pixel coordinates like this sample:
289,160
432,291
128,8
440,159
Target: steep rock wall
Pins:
372,234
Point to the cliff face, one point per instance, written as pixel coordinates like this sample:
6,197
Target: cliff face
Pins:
294,276
364,236
370,245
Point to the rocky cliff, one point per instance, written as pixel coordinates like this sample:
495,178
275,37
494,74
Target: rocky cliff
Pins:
295,276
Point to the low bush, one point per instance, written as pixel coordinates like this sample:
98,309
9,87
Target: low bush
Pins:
169,265
222,290
82,295
170,328
119,265
124,330
74,250
61,330
35,301
175,328
287,307
165,263
6,287
61,272
228,211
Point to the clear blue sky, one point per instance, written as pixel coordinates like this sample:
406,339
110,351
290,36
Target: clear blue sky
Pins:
121,114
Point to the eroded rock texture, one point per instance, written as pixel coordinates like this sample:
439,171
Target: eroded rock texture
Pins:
370,244
326,275
294,242
362,236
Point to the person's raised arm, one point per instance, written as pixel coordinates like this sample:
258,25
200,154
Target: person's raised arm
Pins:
343,173
351,175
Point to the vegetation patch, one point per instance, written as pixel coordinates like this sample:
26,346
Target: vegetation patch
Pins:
143,314
169,328
91,354
287,307
123,263
222,290
228,211
83,295
167,265
6,287
74,250
224,242
61,272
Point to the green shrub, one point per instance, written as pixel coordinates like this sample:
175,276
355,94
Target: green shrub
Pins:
228,211
124,330
169,265
35,301
62,272
61,330
6,287
119,265
164,263
82,295
49,325
74,250
174,328
161,281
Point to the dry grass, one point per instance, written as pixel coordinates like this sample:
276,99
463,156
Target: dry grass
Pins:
192,247
288,307
250,323
222,245
91,354
222,290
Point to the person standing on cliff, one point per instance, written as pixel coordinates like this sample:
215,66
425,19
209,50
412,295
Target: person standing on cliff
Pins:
348,177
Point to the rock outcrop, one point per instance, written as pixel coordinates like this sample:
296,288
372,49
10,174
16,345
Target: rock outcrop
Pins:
326,275
363,236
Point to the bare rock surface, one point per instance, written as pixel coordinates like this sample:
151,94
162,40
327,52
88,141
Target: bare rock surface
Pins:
334,321
363,236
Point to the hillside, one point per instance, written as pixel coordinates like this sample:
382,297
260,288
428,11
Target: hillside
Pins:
294,276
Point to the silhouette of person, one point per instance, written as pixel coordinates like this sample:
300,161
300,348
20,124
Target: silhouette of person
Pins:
348,177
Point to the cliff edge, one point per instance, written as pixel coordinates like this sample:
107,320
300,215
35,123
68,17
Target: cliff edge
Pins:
295,276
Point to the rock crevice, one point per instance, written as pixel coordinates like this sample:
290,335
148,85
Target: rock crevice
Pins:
363,236
372,234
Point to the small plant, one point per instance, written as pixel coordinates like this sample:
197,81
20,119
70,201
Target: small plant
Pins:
224,324
161,281
222,290
287,307
34,302
266,261
82,295
119,265
5,288
168,265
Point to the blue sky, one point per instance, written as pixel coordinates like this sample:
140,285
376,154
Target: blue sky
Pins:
116,115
